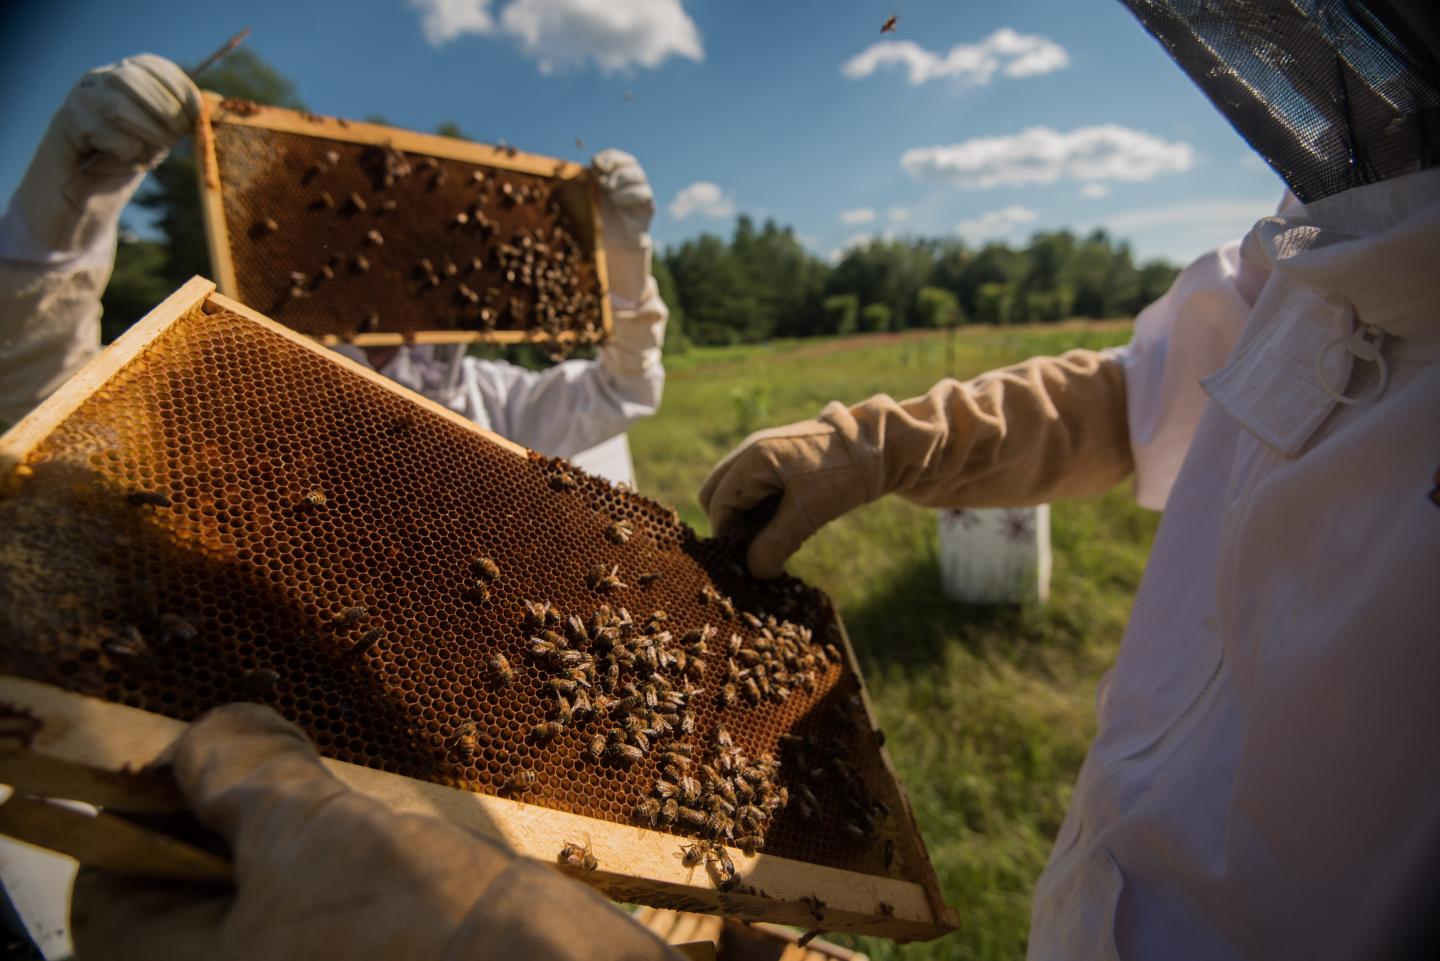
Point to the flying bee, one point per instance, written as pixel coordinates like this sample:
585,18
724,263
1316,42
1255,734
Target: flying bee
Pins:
620,532
648,810
352,616
547,730
148,498
625,753
648,578
563,481
573,855
521,779
485,567
501,672
368,640
465,737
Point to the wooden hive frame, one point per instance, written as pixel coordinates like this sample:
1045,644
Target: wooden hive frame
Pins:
583,204
80,735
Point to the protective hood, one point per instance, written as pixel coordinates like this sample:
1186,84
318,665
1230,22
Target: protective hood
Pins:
1332,93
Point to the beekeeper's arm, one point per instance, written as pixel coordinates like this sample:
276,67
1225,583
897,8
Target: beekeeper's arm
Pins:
1050,428
577,404
57,239
322,871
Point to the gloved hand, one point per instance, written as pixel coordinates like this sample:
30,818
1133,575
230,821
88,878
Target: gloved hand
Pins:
118,122
322,871
627,205
1050,428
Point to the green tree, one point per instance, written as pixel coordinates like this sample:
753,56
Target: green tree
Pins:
937,307
994,303
676,340
875,318
842,314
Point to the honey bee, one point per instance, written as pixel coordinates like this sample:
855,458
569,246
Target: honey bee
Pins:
727,608
521,779
596,749
669,811
648,810
175,628
620,532
485,567
267,225
692,818
563,710
625,753
352,616
563,685
751,619
692,855
261,678
725,868
357,202
547,730
367,641
750,843
887,852
708,594
538,614
361,264
689,789
603,582
313,498
501,671
465,737
723,739
581,707
565,658
890,23
664,789
148,498
833,653
573,855
563,481
130,643
478,593
752,690
648,578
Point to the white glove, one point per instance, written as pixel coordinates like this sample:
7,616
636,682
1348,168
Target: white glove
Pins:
627,205
118,123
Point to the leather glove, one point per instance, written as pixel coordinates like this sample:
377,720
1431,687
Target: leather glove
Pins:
118,123
627,205
1047,429
322,871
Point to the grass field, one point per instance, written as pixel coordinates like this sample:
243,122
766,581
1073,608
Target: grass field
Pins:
987,711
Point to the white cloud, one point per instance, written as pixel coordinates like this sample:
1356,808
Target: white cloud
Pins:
966,64
862,215
1043,155
898,215
1094,191
996,224
443,20
704,198
615,35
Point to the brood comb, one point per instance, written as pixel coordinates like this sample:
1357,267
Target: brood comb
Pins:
217,509
366,233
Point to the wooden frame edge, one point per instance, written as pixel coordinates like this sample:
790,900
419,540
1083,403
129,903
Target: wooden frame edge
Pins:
635,863
212,201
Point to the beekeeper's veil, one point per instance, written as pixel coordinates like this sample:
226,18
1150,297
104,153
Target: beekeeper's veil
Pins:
1332,93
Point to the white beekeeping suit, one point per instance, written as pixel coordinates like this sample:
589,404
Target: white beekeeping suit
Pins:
57,247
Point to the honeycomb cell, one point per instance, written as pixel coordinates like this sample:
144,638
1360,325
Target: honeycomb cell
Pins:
727,696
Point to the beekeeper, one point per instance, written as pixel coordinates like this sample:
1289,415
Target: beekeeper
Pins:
57,247
1261,785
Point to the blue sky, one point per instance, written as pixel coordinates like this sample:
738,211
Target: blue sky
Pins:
1050,112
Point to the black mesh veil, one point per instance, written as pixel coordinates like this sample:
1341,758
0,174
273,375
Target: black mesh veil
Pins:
1332,93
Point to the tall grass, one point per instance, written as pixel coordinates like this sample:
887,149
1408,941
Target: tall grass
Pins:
987,711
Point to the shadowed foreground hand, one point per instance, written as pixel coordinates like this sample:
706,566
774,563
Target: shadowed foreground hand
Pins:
322,871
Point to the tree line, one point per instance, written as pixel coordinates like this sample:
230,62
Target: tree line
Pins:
763,283
758,284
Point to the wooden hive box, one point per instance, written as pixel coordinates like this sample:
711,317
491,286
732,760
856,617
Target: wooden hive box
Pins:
370,234
217,508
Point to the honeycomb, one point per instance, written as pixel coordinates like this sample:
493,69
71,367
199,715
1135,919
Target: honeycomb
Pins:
233,516
340,238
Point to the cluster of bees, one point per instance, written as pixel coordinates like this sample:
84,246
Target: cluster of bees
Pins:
528,278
